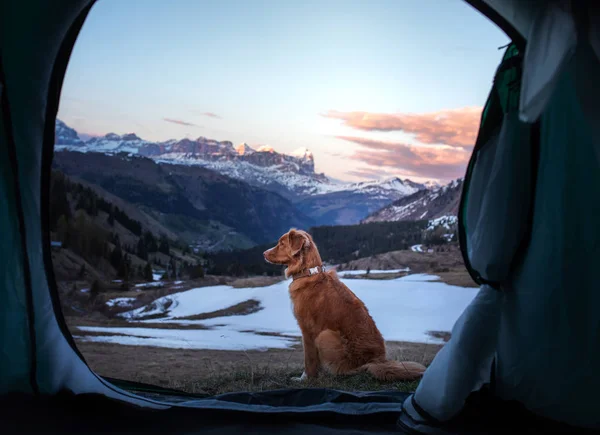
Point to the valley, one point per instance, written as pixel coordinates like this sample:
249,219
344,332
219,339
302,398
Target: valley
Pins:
158,259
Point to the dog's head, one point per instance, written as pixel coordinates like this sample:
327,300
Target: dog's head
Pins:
295,249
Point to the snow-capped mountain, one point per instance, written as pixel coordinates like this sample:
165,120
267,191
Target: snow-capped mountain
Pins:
353,202
65,135
424,204
291,175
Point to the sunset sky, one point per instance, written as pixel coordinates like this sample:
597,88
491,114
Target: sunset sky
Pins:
374,88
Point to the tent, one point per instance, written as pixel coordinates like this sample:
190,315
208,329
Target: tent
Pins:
523,355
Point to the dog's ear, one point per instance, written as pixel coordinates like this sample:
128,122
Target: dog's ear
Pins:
298,241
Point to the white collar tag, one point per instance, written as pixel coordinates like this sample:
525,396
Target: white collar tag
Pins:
316,269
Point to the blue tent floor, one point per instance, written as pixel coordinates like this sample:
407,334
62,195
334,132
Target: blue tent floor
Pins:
92,413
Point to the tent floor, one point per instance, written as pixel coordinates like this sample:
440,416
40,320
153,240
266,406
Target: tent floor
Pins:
91,413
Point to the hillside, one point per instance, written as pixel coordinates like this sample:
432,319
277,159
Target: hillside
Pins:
100,241
424,204
191,201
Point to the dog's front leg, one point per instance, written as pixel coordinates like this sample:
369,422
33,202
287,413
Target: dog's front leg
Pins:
311,360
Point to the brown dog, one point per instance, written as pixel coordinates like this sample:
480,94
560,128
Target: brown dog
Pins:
338,332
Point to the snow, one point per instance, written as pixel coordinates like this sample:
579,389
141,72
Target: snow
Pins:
265,149
417,248
447,221
404,309
120,302
157,275
302,153
150,284
189,338
363,272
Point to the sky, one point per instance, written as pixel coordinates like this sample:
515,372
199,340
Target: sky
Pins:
374,89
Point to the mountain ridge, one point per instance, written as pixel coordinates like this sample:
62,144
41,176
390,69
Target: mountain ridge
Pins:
292,175
424,204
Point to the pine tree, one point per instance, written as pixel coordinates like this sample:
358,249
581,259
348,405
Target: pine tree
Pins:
81,274
148,273
111,217
95,289
150,241
116,257
141,250
164,246
123,271
173,268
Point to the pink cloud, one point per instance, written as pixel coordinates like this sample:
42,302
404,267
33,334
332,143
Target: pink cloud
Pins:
416,161
454,127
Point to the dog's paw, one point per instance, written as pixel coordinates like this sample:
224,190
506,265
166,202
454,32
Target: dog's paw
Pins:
301,378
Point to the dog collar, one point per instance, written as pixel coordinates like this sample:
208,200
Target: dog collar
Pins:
308,272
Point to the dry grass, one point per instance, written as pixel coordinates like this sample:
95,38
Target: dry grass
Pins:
256,380
256,281
74,322
218,371
243,308
373,276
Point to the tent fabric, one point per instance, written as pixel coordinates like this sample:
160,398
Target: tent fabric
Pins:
551,321
551,42
528,230
544,319
499,185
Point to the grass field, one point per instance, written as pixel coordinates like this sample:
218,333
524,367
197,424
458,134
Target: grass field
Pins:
217,371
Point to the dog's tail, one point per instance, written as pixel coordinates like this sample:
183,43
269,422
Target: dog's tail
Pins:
389,370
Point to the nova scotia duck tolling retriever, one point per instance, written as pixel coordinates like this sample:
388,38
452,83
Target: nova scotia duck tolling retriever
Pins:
338,333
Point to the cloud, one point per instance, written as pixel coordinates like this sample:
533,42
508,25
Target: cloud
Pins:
180,122
438,162
454,127
211,115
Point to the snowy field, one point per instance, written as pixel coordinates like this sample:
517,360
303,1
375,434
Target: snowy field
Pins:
405,309
364,272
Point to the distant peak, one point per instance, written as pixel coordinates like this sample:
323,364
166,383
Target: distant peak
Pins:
243,149
432,185
265,149
130,136
112,136
303,153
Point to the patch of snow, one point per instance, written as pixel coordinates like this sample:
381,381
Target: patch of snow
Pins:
120,302
156,276
447,222
217,339
363,272
417,248
404,309
84,290
150,284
